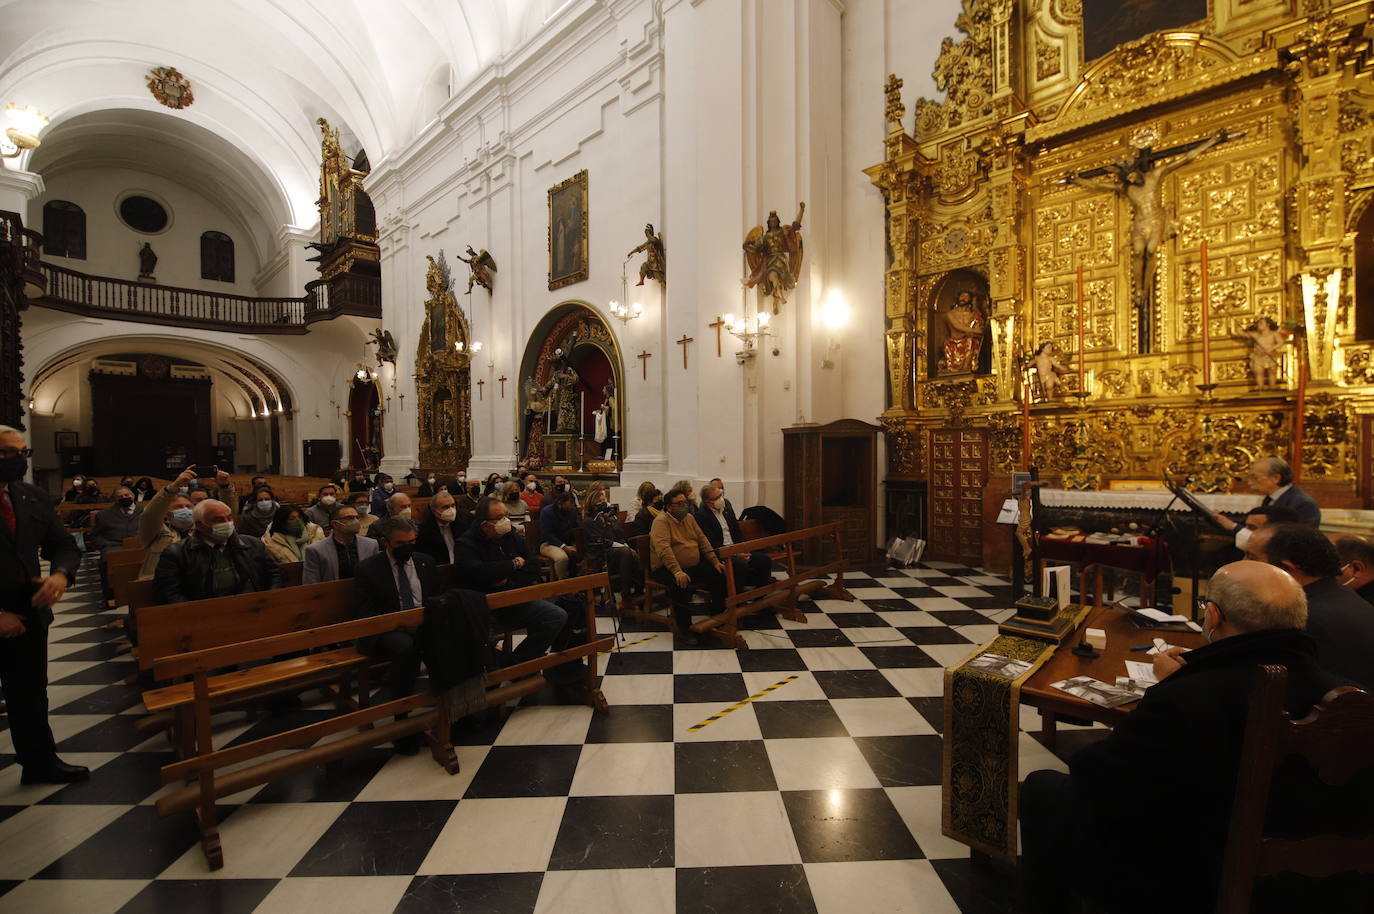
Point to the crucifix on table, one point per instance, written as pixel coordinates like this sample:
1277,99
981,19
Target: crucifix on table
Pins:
683,343
643,362
502,379
479,389
720,322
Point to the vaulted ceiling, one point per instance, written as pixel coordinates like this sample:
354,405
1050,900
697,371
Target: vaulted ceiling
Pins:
262,71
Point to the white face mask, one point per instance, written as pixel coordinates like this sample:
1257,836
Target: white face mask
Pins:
266,507
404,512
430,480
387,487
327,500
221,532
529,486
1243,537
448,515
502,526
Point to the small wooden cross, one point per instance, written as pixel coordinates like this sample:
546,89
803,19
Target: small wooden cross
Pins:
683,343
479,389
716,327
502,379
643,363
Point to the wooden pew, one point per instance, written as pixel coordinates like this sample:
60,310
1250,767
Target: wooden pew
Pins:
780,595
208,688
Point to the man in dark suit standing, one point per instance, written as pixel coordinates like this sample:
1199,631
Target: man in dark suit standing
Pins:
1272,477
396,578
28,524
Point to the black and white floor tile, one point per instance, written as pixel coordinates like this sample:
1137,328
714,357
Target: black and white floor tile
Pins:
821,795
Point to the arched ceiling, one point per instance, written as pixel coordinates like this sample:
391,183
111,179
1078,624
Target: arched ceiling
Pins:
261,71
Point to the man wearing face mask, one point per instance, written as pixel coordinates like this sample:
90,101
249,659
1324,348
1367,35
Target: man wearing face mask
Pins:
532,496
359,482
258,512
246,501
363,503
397,577
116,523
681,558
77,490
428,487
558,522
166,519
1259,517
335,557
29,525
397,505
491,557
1357,565
717,520
1183,741
322,511
439,530
384,489
214,561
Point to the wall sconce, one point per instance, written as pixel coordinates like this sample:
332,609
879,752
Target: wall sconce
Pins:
749,333
626,313
24,125
834,316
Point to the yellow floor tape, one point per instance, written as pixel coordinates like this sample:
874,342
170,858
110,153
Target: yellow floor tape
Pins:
739,704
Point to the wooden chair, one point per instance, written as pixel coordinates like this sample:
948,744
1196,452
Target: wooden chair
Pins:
1337,740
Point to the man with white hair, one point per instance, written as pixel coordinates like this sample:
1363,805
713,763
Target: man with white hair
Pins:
1272,477
397,504
1166,776
214,561
28,524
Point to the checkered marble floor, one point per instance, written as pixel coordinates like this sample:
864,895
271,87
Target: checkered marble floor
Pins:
821,795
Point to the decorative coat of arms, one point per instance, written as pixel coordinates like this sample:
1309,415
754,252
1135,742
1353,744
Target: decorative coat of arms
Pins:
170,88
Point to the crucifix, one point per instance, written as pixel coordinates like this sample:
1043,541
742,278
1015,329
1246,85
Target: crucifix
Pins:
716,327
502,379
480,382
683,343
643,363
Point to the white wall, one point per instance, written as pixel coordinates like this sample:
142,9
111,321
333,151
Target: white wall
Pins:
112,247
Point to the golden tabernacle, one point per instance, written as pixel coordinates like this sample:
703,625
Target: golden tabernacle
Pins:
1118,262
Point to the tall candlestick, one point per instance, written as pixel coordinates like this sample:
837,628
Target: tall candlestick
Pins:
1206,320
1025,424
1300,420
1082,350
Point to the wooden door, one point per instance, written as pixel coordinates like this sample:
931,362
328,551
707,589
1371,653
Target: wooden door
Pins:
958,473
322,457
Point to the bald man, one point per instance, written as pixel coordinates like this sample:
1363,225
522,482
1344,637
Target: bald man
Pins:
1166,776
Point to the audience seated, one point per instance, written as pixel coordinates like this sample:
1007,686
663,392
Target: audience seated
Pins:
1338,619
516,509
397,577
1357,565
116,523
214,560
686,486
1260,517
557,521
256,515
144,490
246,501
607,543
396,505
359,482
336,557
362,503
644,520
533,495
439,529
322,510
682,558
467,499
642,500
492,557
167,519
78,488
1180,747
290,534
717,520
90,494
383,490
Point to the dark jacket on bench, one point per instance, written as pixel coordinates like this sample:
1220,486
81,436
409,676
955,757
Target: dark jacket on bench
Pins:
457,638
185,570
485,564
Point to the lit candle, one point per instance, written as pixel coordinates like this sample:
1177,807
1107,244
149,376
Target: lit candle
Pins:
1206,321
1082,350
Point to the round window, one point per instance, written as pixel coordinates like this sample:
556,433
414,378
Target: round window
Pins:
143,214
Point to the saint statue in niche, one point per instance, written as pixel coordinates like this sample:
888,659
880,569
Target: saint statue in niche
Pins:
565,400
774,256
964,324
147,261
1138,179
1266,351
481,267
1048,368
655,261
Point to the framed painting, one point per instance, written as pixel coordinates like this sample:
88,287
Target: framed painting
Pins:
1108,23
64,440
228,439
568,231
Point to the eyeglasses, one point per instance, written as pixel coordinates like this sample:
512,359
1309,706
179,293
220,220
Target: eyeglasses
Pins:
1201,604
16,452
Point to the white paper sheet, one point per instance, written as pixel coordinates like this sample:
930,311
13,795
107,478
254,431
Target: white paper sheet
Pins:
1143,673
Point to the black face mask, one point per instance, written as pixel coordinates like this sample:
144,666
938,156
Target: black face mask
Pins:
560,487
12,469
126,501
402,554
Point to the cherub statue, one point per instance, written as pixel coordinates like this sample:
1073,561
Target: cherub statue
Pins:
481,268
774,255
1048,368
537,396
1266,349
386,346
655,257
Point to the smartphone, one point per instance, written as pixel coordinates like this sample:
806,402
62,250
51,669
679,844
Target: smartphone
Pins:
204,471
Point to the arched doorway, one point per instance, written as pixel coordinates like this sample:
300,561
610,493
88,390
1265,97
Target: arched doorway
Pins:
571,412
364,421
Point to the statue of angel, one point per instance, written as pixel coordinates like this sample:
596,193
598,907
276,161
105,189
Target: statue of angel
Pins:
774,255
386,346
481,266
655,259
1267,340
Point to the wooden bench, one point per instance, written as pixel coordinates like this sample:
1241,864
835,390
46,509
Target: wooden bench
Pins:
643,609
208,688
780,595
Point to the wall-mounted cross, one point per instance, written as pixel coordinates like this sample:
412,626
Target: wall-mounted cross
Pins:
502,379
683,343
644,363
716,327
479,389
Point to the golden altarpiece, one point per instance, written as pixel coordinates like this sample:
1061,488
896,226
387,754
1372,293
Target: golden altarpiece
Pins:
443,388
980,199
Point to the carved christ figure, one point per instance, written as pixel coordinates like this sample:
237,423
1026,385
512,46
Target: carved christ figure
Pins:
964,328
1266,350
1138,179
774,255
